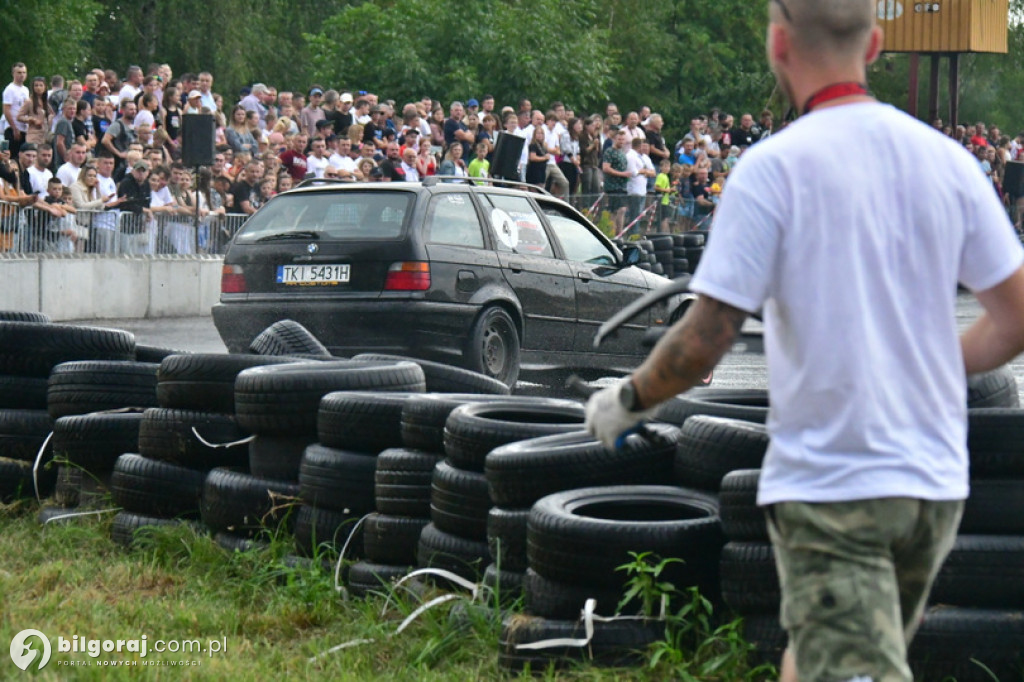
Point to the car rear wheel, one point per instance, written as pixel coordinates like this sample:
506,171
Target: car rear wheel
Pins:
494,346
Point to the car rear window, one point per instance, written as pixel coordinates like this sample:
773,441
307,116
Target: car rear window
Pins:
330,215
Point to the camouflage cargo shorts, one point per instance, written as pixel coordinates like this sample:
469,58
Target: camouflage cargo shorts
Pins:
855,577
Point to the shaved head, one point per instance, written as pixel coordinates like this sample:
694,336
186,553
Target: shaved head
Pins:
839,27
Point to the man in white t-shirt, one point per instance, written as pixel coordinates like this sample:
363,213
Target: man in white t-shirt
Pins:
68,172
317,162
854,267
15,96
104,233
132,85
342,160
636,185
39,173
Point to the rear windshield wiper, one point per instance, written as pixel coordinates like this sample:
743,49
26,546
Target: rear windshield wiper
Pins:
281,236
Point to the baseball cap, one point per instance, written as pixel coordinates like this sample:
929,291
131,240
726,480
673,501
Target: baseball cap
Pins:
140,165
323,123
194,93
316,91
29,147
472,103
346,97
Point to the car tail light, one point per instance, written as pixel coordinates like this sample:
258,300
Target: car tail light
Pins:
232,280
408,276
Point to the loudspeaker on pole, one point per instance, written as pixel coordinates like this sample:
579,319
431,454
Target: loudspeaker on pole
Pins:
197,139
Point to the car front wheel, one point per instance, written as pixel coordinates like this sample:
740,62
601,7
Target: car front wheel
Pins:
494,346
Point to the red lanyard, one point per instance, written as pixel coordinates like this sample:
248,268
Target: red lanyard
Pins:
834,91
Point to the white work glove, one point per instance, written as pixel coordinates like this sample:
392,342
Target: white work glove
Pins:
608,421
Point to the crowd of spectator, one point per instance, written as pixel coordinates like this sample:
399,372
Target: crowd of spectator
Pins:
111,147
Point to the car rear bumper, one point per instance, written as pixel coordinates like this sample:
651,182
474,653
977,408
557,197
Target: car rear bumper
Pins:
425,329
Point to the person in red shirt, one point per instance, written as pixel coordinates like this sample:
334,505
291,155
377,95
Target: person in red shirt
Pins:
293,159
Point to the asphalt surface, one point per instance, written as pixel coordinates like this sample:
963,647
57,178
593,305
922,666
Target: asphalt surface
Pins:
743,367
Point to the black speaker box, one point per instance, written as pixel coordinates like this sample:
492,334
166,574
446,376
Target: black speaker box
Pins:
1013,179
507,151
197,139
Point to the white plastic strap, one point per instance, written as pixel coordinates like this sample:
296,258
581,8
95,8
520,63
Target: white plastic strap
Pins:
423,608
346,645
35,466
85,513
221,445
589,618
457,579
338,587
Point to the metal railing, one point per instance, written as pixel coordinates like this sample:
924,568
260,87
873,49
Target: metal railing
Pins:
31,230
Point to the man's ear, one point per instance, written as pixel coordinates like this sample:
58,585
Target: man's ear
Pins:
777,44
875,42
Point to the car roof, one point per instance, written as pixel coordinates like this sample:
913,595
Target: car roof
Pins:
431,184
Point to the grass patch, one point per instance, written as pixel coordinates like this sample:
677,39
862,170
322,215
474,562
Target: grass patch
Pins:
69,579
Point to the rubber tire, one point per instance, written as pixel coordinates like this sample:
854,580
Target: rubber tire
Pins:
459,501
949,638
442,378
519,474
278,457
361,421
402,482
81,489
392,539
505,586
95,386
288,337
768,639
995,507
23,432
236,543
750,581
616,643
553,599
583,536
711,447
338,480
997,388
129,527
472,431
23,393
742,519
465,558
24,316
94,441
167,435
16,480
994,437
424,416
283,400
205,381
366,578
506,537
735,403
982,571
325,531
246,505
493,346
34,349
146,486
144,353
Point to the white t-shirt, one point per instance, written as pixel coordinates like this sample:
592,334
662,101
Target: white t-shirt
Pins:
127,92
316,166
144,116
552,139
39,178
855,264
636,184
105,220
343,162
16,96
68,173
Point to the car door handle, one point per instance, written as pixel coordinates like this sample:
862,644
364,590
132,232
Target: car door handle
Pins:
584,276
515,266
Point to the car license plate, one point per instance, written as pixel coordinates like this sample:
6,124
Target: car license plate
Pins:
312,275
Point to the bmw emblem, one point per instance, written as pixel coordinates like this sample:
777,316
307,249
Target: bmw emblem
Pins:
312,248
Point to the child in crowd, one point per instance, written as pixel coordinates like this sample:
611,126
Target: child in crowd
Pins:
480,167
663,187
60,234
680,175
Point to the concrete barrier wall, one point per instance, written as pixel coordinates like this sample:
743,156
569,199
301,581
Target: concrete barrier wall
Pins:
109,287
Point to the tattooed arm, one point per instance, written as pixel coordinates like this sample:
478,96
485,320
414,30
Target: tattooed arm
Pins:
688,351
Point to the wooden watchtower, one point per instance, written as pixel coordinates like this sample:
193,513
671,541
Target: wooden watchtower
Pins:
942,27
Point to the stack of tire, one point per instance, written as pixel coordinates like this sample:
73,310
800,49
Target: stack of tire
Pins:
577,542
280,404
30,347
520,473
460,507
161,482
98,407
403,486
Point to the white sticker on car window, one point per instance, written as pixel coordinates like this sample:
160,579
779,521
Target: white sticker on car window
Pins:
505,228
456,199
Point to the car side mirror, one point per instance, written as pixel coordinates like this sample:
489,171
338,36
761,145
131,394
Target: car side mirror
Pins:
631,254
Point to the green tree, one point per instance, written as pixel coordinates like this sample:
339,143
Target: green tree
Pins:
50,36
